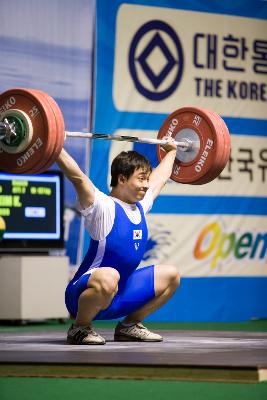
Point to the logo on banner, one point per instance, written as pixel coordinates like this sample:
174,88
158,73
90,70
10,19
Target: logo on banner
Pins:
156,60
218,245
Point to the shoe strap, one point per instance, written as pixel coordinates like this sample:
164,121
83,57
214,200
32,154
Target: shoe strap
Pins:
141,326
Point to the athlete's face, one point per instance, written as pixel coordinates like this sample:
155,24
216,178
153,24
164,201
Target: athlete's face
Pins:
136,185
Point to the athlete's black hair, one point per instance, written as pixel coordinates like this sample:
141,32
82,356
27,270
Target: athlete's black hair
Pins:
126,163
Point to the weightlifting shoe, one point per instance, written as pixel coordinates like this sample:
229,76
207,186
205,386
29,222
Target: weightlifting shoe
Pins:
84,335
135,333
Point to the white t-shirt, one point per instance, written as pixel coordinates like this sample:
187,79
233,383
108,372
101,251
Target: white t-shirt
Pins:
99,217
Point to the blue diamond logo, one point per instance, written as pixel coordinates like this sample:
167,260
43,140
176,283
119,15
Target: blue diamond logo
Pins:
156,42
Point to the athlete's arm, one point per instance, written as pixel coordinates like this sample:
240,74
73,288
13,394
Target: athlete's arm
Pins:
84,187
160,175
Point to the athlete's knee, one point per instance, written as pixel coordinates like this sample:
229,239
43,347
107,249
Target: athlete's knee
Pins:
173,274
105,281
166,276
109,283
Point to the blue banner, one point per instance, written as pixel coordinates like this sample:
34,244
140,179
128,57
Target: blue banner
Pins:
153,57
48,46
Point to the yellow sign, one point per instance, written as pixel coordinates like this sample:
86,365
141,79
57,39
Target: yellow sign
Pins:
2,227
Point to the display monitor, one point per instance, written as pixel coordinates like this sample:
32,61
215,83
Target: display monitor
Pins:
32,209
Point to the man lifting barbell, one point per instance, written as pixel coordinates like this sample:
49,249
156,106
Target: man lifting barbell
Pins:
108,284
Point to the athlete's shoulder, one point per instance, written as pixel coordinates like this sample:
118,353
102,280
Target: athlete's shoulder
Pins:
147,201
101,201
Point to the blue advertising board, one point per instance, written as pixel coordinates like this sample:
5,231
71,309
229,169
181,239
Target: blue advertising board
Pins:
153,57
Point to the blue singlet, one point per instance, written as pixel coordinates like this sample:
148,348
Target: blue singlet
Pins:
122,249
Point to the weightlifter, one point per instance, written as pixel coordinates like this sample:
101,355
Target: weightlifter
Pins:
108,284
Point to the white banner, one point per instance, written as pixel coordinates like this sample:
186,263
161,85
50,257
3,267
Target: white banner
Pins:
168,58
208,245
244,175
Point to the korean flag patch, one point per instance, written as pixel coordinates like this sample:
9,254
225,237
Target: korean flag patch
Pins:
137,234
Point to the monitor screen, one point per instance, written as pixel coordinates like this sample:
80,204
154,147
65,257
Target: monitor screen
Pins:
32,209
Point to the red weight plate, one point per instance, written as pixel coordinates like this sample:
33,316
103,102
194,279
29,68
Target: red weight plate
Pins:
60,136
212,173
223,148
57,132
41,118
186,123
52,136
227,142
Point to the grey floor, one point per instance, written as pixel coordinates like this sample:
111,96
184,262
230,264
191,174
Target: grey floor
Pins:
179,348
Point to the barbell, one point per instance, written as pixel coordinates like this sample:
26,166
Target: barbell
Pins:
32,135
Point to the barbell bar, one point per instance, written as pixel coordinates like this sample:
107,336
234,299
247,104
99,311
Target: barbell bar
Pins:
186,144
32,135
6,130
7,133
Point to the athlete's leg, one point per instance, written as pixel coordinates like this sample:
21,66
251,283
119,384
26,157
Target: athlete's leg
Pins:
101,288
86,297
166,281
